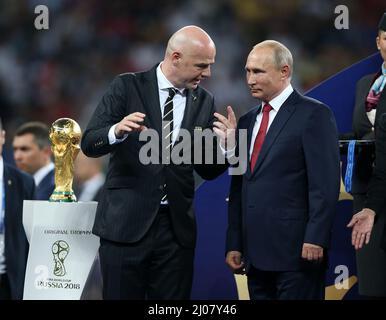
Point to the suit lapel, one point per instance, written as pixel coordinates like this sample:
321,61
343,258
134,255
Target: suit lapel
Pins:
150,95
381,107
366,89
249,137
9,185
189,113
285,112
190,109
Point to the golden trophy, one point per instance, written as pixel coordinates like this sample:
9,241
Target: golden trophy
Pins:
65,135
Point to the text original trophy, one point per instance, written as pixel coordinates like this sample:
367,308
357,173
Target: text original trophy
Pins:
62,246
65,135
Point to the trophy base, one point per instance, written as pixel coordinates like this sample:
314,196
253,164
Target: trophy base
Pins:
63,196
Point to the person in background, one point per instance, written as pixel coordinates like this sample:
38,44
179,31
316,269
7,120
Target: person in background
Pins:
15,186
88,177
370,105
32,154
374,205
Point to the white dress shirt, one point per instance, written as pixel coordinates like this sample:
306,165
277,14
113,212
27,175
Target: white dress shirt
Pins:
276,104
371,115
179,102
42,172
91,187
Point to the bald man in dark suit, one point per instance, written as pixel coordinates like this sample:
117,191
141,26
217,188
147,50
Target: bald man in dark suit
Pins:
145,216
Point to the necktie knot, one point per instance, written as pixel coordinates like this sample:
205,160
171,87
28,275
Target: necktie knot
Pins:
267,108
172,92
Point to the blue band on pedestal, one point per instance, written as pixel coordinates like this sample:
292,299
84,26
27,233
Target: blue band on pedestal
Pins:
350,166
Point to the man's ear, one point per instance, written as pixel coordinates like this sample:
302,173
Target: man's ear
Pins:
285,72
176,57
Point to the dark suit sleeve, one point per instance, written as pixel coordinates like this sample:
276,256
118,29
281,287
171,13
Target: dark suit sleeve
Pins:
210,171
376,195
110,110
234,232
321,150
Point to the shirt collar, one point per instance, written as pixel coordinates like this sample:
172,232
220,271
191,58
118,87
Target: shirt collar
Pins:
42,172
164,83
278,101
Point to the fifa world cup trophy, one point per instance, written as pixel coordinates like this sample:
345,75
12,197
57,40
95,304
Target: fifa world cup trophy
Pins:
65,135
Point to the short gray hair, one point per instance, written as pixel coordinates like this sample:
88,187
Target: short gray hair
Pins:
282,56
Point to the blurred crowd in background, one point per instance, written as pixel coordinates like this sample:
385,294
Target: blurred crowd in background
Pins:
64,71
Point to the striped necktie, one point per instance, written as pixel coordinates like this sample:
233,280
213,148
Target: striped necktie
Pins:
167,121
167,131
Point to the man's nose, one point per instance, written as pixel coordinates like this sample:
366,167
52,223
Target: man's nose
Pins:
17,155
251,80
206,73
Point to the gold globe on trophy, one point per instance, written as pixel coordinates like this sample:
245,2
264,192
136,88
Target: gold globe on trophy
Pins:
65,135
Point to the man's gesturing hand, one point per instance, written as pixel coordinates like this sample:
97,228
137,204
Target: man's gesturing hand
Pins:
225,128
132,122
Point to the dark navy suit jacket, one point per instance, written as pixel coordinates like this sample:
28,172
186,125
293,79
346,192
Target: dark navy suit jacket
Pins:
46,186
18,187
290,197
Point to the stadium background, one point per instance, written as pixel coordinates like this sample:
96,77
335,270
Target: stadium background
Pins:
63,72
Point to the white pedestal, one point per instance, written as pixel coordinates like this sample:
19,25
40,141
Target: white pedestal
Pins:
62,248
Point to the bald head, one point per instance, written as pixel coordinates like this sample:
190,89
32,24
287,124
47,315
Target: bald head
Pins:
189,39
189,54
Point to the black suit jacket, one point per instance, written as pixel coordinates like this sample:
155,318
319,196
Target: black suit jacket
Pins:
376,195
362,129
46,187
132,192
290,196
18,187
